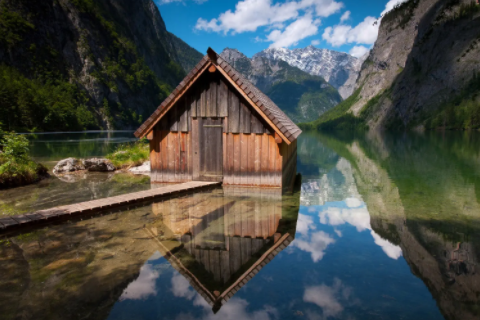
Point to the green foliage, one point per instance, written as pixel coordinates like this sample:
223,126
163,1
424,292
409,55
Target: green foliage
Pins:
16,167
47,105
468,9
461,112
131,154
402,13
301,96
12,26
332,117
188,56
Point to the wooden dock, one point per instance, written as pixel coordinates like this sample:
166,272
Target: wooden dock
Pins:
94,206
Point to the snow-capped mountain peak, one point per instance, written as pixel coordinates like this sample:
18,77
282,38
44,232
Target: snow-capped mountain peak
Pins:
338,68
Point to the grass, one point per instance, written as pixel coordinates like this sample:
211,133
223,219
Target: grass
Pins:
338,117
16,167
130,154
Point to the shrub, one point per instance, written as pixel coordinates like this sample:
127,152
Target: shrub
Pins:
131,154
16,167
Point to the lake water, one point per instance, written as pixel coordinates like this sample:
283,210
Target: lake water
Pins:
383,227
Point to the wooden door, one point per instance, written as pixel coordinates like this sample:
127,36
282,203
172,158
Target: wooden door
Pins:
210,147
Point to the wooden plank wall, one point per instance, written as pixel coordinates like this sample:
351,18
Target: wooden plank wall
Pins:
289,163
171,156
252,160
250,155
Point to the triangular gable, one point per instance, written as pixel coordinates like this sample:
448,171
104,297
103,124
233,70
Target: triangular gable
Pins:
216,301
266,108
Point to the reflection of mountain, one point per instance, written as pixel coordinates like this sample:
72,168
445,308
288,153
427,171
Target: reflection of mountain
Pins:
421,196
82,269
336,185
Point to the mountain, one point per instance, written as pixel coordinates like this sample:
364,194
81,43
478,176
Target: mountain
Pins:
338,68
422,72
85,64
301,96
187,56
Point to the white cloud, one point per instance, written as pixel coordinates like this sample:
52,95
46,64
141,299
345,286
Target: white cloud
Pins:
390,5
358,51
143,286
315,42
323,8
300,29
345,16
291,21
365,32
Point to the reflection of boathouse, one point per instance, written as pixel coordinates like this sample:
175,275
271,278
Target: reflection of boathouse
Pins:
218,243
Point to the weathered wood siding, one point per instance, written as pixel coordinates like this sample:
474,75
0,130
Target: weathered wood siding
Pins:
251,157
252,160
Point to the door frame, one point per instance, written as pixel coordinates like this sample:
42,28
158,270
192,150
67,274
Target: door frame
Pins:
197,125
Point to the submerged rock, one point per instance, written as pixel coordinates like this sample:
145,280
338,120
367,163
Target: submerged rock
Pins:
98,164
68,165
143,169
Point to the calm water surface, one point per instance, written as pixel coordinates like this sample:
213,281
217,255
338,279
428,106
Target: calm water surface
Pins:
384,227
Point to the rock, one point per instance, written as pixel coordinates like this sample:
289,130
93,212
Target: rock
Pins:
143,169
98,164
68,165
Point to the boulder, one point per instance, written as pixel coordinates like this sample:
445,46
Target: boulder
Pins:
68,165
143,169
98,165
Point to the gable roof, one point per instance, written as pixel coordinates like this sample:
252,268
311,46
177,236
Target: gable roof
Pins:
279,121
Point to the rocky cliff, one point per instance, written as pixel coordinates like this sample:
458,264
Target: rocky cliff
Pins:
337,68
301,96
422,70
87,64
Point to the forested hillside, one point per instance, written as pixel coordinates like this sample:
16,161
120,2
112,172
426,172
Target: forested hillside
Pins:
85,64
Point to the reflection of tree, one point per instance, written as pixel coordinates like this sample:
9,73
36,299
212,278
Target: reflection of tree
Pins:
421,194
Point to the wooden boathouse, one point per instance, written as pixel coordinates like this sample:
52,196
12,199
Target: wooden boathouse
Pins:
217,126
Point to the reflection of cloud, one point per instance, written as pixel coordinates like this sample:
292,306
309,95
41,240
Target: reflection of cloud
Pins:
328,298
357,217
389,248
235,308
353,202
315,244
304,224
181,287
143,286
356,214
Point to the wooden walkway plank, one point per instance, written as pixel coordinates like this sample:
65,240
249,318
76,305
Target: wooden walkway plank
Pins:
8,222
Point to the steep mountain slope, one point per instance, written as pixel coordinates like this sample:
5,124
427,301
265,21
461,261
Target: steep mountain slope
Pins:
301,96
338,68
83,64
187,56
422,71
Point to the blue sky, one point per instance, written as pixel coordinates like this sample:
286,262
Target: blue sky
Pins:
254,25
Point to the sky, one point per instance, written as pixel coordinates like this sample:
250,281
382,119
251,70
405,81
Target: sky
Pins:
255,25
